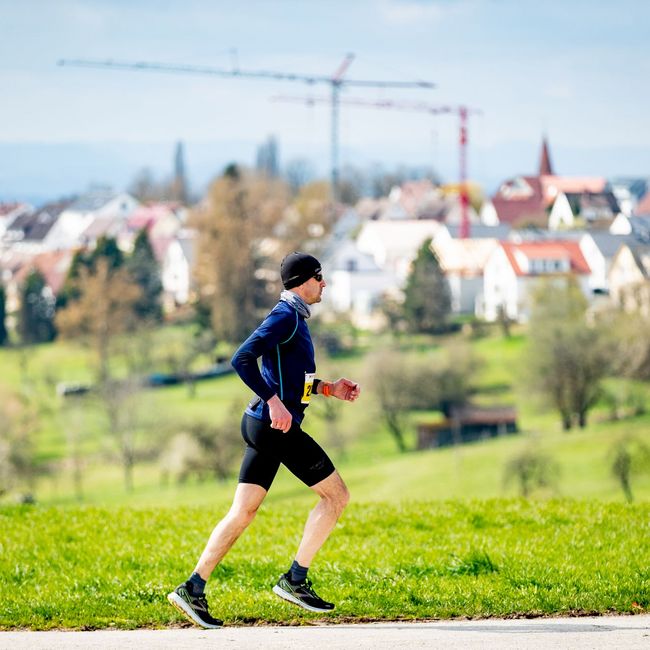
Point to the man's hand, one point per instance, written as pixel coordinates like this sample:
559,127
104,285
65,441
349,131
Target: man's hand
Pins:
345,389
280,416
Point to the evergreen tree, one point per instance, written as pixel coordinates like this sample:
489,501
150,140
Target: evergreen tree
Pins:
427,298
107,249
144,270
4,335
36,317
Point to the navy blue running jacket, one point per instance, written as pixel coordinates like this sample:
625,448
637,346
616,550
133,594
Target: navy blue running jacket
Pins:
284,343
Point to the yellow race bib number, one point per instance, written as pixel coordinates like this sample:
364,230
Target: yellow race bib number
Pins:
309,384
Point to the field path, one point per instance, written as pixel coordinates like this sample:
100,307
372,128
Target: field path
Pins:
629,632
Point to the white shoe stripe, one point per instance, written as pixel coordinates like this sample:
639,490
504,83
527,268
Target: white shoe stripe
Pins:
296,601
185,609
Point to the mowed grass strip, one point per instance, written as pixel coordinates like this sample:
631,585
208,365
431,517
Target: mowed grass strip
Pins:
87,567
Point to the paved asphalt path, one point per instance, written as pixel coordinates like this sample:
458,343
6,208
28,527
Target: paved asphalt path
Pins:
606,632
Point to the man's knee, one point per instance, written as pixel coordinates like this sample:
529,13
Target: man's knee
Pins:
338,498
243,513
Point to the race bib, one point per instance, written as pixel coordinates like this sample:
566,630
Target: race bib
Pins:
309,384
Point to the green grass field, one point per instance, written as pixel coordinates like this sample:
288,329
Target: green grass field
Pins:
429,534
88,567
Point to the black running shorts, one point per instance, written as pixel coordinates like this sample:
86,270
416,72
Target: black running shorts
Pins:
266,448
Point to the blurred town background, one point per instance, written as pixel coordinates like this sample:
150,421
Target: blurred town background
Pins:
499,325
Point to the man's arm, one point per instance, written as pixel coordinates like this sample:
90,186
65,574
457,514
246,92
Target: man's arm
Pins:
342,388
275,329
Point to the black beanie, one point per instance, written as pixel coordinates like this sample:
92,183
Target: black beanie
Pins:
297,268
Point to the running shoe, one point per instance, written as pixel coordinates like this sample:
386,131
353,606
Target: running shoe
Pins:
193,607
302,594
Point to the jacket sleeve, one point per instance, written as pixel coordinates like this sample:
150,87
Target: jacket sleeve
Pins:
276,328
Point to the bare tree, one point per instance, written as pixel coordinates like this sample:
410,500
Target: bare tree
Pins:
629,456
103,312
567,356
532,469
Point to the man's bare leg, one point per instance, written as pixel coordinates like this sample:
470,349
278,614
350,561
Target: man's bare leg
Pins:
334,496
248,498
293,586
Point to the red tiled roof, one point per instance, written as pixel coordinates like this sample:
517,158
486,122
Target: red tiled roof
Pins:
53,265
547,250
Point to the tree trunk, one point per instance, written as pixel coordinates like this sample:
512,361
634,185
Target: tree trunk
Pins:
582,419
396,431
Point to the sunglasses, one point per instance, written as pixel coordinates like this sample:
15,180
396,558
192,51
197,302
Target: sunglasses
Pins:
318,277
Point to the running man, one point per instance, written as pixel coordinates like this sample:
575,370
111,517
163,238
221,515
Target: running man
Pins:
271,428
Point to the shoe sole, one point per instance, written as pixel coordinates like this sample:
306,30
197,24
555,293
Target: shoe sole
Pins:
278,591
187,611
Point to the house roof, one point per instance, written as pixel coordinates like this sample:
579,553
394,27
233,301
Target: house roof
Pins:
145,216
34,226
641,227
547,250
403,236
641,254
95,200
603,203
465,256
9,209
108,226
643,206
609,244
527,197
481,231
553,185
53,265
347,255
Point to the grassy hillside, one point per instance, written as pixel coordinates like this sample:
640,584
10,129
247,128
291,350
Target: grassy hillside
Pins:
88,567
362,447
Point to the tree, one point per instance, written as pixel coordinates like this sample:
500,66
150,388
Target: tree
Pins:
4,335
143,268
18,422
427,299
36,315
630,456
240,211
568,357
532,468
402,384
104,311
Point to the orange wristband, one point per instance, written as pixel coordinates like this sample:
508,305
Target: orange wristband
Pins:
326,389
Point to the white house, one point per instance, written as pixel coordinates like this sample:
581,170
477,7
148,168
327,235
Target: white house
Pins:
512,270
599,249
9,212
356,285
463,261
176,272
394,244
590,208
629,278
76,218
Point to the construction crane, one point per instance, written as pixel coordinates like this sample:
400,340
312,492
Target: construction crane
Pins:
336,83
463,113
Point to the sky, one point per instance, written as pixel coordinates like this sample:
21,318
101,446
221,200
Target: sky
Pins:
576,71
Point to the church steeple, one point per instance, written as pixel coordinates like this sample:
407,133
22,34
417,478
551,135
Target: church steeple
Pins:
545,168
